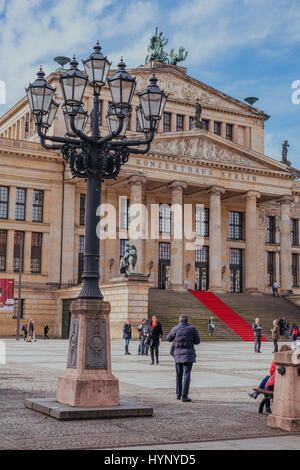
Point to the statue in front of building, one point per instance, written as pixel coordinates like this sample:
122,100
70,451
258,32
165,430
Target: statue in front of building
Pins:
180,57
284,159
197,122
156,48
128,261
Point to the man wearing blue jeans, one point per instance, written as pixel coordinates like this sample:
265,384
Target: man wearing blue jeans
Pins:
184,338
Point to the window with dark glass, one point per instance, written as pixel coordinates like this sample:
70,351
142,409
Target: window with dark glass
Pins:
37,206
217,128
205,124
82,209
167,122
18,242
294,232
20,203
123,243
236,225
36,252
271,229
271,267
179,122
164,251
165,218
16,308
3,202
124,213
295,267
202,221
191,122
80,257
229,131
137,125
201,255
3,245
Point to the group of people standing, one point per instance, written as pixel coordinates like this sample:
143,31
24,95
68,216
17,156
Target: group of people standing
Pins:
29,331
280,328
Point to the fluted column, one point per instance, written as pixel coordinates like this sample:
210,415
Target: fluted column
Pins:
215,239
251,242
177,241
138,213
285,244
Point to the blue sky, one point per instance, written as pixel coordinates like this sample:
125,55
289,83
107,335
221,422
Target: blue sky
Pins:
241,47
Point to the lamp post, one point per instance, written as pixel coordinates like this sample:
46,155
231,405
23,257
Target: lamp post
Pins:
95,158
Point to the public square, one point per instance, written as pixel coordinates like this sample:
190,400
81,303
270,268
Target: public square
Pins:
221,415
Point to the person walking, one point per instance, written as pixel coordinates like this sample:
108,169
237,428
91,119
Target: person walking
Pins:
155,337
46,330
30,331
210,326
294,335
25,331
144,330
256,327
287,329
184,338
275,289
127,336
275,335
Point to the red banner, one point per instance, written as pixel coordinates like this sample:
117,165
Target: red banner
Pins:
6,293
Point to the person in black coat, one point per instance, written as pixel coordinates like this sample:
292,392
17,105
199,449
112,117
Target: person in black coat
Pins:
127,335
184,338
155,337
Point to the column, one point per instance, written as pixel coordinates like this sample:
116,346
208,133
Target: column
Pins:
177,188
251,242
12,203
68,273
215,239
138,218
10,250
285,244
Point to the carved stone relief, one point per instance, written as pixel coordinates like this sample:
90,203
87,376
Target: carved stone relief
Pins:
95,352
72,354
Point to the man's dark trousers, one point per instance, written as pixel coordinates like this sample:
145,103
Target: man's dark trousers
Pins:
183,378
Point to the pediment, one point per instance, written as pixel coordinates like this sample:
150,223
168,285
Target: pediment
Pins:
204,149
182,87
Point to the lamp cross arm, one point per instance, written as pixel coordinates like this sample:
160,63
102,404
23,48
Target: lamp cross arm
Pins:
131,143
61,140
80,134
113,134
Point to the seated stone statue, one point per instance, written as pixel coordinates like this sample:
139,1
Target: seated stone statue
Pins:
128,261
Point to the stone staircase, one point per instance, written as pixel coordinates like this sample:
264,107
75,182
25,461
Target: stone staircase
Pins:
168,305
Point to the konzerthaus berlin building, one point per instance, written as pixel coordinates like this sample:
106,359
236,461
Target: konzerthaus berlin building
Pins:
250,223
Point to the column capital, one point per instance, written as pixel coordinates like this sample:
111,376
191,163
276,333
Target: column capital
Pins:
216,190
252,195
137,179
286,199
177,185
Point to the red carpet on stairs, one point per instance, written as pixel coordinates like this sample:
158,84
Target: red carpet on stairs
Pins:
227,315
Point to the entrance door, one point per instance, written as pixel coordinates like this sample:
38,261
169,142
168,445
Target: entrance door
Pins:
66,318
236,270
164,258
201,269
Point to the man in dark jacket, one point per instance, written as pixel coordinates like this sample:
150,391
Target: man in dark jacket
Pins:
256,327
127,335
155,336
184,337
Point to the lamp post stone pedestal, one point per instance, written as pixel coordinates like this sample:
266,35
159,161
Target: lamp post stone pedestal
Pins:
88,380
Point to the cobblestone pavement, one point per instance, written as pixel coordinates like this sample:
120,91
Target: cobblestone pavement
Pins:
221,408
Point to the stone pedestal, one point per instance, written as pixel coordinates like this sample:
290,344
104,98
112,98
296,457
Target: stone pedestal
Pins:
88,380
286,403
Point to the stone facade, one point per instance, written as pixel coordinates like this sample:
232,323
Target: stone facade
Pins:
222,167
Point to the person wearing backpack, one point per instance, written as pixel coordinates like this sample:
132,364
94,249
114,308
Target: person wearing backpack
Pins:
184,338
294,334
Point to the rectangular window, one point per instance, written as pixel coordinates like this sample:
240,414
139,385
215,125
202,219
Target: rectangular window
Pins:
80,257
123,243
3,202
167,122
205,124
236,225
295,267
37,205
164,218
217,128
18,241
82,209
124,204
191,122
271,229
179,122
271,267
137,125
294,232
202,221
16,308
201,255
164,251
229,131
36,252
3,245
235,256
20,204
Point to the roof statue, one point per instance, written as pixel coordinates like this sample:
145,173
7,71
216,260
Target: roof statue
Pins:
156,51
197,122
285,146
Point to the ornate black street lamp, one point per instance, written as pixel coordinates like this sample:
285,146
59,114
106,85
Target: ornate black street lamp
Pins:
94,157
